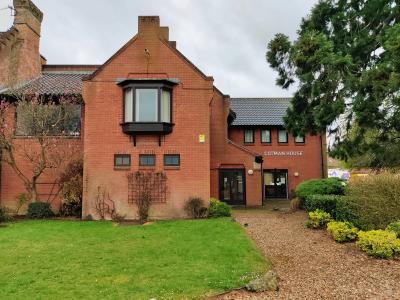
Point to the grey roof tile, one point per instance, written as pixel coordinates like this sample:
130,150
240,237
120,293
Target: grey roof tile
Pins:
53,83
259,111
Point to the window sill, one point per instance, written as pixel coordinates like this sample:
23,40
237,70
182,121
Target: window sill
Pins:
72,137
249,144
122,168
147,167
266,143
283,143
172,167
299,144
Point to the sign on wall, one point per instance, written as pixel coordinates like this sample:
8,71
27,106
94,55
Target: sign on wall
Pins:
283,153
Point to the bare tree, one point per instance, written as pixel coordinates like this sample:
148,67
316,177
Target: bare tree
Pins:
36,131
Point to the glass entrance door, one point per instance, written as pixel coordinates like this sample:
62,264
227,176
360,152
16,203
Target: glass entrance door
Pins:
275,183
232,186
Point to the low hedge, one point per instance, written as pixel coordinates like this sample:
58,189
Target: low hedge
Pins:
39,210
318,219
394,227
379,243
342,231
218,209
326,203
372,202
327,186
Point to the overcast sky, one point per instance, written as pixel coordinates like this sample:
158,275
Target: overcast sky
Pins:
226,39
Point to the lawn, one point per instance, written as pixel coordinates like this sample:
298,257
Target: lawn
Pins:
165,260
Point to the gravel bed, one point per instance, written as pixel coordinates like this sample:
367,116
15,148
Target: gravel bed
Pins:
310,265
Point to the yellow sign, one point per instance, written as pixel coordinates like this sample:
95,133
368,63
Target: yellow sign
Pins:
202,138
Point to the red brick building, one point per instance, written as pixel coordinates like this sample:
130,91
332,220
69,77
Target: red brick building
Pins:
148,108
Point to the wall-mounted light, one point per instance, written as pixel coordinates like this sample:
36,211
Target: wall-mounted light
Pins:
296,174
250,172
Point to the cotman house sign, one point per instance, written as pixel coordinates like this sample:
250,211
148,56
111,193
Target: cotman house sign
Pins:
283,153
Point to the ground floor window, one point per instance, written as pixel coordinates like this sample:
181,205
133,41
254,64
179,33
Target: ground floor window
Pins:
232,186
275,184
147,160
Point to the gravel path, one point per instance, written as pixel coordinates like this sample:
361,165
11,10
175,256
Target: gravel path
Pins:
310,265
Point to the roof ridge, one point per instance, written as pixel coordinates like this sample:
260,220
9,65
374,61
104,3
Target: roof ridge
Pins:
263,98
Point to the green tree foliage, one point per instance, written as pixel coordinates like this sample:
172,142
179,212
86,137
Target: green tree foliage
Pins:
346,65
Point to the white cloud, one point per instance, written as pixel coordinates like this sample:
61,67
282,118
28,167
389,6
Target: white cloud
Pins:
225,39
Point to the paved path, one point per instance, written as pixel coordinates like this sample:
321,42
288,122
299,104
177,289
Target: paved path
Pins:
311,265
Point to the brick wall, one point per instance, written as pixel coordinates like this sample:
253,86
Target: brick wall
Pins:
19,47
104,137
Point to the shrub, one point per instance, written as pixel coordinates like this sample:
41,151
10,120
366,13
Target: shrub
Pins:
374,201
379,243
328,186
4,215
342,231
39,210
326,203
394,227
318,219
218,209
71,184
295,204
195,208
71,208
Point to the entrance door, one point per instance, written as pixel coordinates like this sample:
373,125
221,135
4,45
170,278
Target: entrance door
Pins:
232,186
275,183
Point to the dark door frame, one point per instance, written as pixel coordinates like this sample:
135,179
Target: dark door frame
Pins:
220,184
274,171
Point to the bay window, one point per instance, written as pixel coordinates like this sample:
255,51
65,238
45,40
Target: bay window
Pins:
147,104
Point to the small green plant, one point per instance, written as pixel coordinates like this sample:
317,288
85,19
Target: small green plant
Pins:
318,219
394,227
342,231
39,210
4,215
22,199
218,209
379,243
195,208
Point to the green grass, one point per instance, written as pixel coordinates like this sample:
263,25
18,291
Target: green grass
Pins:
97,260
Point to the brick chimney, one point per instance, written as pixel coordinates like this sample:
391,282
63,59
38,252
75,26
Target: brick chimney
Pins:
19,47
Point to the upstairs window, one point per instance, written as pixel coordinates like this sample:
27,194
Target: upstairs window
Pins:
48,119
265,136
249,136
282,136
299,139
147,104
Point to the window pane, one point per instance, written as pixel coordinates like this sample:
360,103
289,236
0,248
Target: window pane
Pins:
147,160
128,106
122,160
299,139
146,105
265,136
248,136
172,160
282,136
118,161
47,119
166,106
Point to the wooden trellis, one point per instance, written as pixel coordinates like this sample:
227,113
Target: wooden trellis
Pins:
150,183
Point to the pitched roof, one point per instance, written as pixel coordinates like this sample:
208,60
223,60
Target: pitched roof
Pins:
259,111
53,83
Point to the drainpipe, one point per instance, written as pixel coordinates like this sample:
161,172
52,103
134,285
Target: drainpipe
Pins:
322,157
259,159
